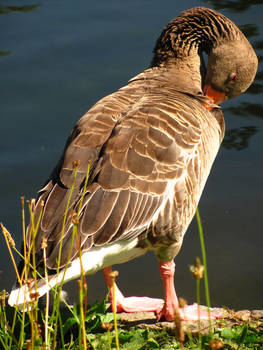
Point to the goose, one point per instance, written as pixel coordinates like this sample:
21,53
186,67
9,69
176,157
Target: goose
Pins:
149,148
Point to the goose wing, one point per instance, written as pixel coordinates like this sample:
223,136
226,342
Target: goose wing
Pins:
135,161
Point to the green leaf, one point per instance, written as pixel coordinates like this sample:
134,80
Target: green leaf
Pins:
98,342
109,317
133,345
145,334
75,312
70,322
243,335
153,343
93,324
228,333
95,309
124,336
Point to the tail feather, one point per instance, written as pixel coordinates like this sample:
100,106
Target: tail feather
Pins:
93,260
23,296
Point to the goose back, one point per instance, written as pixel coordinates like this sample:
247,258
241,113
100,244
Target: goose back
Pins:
149,149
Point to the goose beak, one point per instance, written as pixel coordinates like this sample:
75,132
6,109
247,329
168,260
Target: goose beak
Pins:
215,96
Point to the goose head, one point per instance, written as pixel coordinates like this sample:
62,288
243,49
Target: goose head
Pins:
231,68
231,60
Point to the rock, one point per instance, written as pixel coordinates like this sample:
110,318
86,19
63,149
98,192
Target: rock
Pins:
148,320
257,314
243,315
137,316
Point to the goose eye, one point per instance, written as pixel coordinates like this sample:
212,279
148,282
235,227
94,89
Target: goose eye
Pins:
232,77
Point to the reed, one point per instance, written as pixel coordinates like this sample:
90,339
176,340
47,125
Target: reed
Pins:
31,315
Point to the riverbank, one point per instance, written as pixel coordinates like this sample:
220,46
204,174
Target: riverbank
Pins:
229,319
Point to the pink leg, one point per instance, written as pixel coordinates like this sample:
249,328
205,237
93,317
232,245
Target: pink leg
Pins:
130,304
189,312
170,297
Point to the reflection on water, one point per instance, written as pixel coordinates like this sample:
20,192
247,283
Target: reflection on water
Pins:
258,45
5,53
245,109
255,88
238,139
4,10
259,75
235,6
249,30
25,8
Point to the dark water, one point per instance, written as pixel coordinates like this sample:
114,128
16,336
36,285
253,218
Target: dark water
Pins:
59,57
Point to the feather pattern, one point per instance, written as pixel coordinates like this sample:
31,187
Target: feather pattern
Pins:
148,160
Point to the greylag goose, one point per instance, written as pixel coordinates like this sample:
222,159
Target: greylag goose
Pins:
150,147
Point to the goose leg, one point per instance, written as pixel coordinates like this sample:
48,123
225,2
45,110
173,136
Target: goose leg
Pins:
170,298
163,309
189,312
130,304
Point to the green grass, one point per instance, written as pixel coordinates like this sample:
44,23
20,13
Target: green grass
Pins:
60,326
100,334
